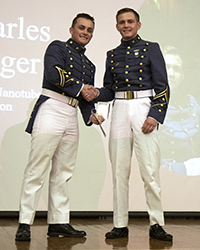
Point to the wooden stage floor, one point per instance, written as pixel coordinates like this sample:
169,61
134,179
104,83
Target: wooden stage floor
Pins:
186,234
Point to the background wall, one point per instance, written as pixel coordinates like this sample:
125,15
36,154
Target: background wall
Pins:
27,27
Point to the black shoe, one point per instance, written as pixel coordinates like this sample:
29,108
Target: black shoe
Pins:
23,233
158,233
117,233
64,230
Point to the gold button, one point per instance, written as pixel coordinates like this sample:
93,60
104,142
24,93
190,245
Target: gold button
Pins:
69,73
71,66
140,78
116,81
112,68
126,72
83,73
140,85
138,37
82,80
63,93
160,110
127,80
144,50
116,87
77,48
141,63
163,99
127,66
133,41
128,52
128,47
147,43
71,58
128,85
77,82
70,51
112,61
142,56
71,42
141,70
83,66
112,55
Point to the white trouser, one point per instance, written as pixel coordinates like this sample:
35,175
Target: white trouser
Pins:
128,117
54,139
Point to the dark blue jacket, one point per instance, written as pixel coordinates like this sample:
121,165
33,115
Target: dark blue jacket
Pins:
137,65
66,69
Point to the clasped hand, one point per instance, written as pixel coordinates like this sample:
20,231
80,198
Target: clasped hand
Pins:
89,92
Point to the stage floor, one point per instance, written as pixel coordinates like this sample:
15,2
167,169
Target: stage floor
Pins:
186,234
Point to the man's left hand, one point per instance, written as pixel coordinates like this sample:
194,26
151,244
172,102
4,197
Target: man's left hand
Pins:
149,125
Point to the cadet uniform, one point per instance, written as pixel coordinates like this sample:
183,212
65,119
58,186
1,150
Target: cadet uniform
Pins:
54,128
136,79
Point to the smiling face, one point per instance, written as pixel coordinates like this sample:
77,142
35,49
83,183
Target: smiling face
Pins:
82,31
127,25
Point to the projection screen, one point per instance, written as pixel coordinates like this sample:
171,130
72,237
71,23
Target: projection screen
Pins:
26,29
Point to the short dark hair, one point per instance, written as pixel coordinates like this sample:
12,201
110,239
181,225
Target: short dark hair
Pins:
83,15
124,10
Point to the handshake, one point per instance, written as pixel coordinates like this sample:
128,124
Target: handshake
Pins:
89,92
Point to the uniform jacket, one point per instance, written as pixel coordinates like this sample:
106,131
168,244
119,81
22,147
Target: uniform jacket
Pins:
137,65
66,69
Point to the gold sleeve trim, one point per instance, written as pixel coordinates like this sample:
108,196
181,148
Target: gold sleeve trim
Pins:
162,94
62,74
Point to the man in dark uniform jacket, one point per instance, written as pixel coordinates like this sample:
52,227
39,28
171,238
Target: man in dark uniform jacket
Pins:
68,73
136,79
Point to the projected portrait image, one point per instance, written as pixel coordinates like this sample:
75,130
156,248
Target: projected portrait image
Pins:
180,134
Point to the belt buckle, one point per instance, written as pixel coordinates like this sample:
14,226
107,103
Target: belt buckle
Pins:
129,95
72,102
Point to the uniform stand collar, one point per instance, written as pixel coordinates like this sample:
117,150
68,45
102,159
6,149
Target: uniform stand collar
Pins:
130,42
76,46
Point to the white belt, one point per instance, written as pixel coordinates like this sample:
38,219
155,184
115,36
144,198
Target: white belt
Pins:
133,94
59,97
